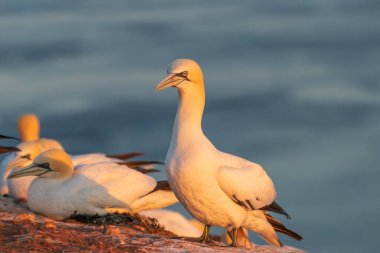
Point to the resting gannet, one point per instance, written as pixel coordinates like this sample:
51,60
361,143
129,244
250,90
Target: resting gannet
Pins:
216,188
31,146
59,192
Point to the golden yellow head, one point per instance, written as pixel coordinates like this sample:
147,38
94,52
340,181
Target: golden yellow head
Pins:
29,127
54,163
183,73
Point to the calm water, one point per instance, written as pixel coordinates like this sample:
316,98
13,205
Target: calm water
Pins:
292,85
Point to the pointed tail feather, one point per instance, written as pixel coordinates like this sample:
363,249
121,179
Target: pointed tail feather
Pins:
145,171
135,164
279,227
126,156
162,186
161,196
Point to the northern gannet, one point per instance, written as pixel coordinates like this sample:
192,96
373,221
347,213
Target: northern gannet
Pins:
31,146
216,188
98,188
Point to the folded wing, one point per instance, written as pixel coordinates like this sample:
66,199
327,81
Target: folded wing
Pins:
248,186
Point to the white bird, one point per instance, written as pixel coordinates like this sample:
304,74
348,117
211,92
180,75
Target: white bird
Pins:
216,188
99,188
31,146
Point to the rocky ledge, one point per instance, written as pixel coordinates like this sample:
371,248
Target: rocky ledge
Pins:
24,231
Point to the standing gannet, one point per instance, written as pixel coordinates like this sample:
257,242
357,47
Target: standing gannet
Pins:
99,188
217,188
31,146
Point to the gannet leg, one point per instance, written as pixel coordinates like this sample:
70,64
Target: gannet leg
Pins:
204,238
234,237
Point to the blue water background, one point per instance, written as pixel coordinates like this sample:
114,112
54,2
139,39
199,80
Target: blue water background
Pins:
292,85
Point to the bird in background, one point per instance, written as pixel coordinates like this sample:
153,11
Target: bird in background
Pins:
216,188
32,145
59,191
8,149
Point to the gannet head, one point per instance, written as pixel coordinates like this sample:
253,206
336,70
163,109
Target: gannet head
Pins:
54,163
29,151
183,74
29,127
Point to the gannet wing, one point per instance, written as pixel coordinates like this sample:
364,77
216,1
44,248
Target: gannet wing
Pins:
92,158
249,186
85,159
111,185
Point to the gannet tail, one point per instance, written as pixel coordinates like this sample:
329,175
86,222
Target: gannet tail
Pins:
258,223
126,156
161,196
137,164
279,227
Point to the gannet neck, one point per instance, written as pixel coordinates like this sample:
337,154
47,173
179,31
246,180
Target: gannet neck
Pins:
29,127
191,105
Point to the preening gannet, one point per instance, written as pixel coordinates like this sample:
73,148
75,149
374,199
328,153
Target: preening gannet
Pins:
216,188
31,146
98,188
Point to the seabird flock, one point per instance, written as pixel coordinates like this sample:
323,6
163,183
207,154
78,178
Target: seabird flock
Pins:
216,188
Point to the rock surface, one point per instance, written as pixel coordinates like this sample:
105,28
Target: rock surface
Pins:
24,231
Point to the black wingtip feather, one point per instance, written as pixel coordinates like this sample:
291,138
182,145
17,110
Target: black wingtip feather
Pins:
279,227
126,156
9,137
4,149
276,208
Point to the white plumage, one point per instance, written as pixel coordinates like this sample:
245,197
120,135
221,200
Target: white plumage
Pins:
218,189
96,188
18,188
31,146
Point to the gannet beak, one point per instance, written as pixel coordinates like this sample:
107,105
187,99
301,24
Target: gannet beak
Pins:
171,80
32,170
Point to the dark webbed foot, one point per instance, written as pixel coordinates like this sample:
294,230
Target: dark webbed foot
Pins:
204,238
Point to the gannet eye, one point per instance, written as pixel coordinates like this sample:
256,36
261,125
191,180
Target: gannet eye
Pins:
184,73
45,166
